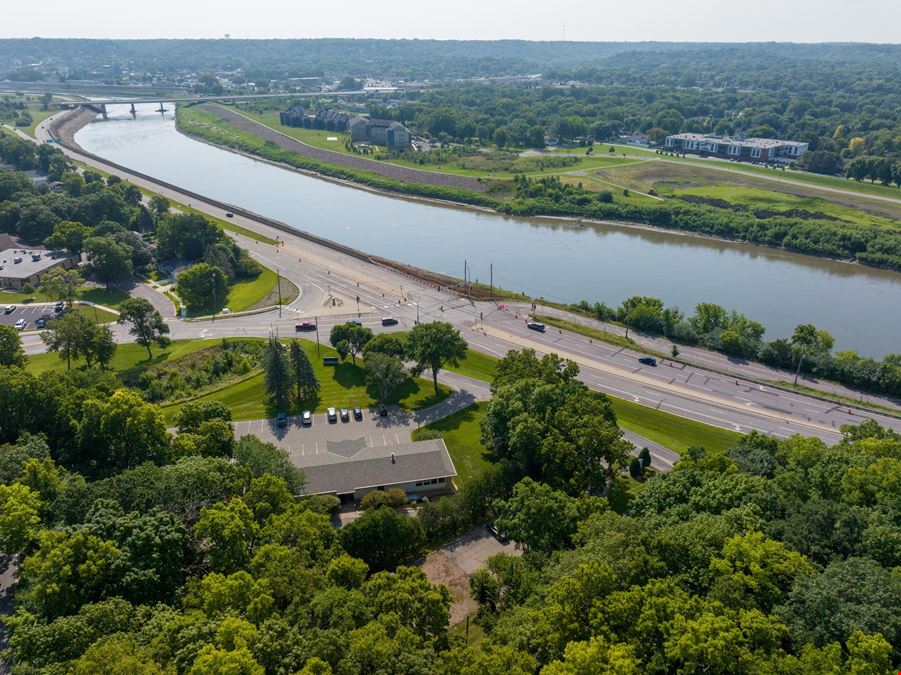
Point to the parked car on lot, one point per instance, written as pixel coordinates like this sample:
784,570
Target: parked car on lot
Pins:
41,321
534,325
497,534
58,307
389,321
332,415
20,324
345,415
648,360
358,414
383,411
304,326
306,418
9,309
281,420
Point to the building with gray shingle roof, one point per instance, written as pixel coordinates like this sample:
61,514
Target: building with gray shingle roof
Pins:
350,469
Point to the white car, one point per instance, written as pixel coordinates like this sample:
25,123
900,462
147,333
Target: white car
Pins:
332,415
307,418
20,324
9,309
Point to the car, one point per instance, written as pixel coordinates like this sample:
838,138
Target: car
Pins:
389,321
281,420
534,325
332,415
356,322
9,309
304,326
383,410
229,214
358,414
58,307
345,415
647,360
496,533
41,321
306,418
20,324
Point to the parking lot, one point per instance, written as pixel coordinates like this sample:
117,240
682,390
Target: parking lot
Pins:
347,437
30,313
322,435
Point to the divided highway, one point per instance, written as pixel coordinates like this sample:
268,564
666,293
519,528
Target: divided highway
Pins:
324,274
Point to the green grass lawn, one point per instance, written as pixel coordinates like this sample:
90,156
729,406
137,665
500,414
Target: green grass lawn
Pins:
341,386
671,431
109,297
477,365
461,432
96,315
249,293
129,357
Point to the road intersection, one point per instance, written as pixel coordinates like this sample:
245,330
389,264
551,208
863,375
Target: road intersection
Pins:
368,291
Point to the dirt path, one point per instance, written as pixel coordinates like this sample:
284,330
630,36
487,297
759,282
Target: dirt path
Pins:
350,161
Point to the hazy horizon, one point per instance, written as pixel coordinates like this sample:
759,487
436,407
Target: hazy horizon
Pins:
802,21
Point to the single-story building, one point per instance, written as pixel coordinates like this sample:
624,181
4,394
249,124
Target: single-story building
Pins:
350,469
26,266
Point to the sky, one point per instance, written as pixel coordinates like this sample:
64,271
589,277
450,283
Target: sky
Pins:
586,20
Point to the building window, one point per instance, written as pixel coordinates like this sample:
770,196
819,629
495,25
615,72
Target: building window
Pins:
440,480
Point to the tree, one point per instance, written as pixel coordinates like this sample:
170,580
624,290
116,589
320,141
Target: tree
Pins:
537,516
277,373
19,517
100,347
384,374
11,353
68,235
645,456
69,336
433,345
382,538
305,379
160,205
202,286
226,533
61,284
349,338
192,414
147,324
121,432
266,458
391,344
108,260
808,342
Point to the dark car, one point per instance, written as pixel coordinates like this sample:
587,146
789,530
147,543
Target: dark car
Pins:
332,414
229,215
41,321
534,325
306,418
389,321
281,420
356,322
383,411
58,307
497,534
648,360
345,415
358,414
305,326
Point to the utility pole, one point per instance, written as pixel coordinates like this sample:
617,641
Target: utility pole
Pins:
213,279
491,274
465,269
278,283
316,319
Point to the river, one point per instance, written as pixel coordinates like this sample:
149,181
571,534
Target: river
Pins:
560,261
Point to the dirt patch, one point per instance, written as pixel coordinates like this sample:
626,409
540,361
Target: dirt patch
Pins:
350,161
441,569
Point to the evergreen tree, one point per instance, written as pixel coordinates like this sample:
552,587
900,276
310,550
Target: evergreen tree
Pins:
304,378
278,374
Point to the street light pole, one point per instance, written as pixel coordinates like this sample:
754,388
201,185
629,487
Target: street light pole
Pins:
213,279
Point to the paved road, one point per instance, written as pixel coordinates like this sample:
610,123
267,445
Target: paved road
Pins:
321,272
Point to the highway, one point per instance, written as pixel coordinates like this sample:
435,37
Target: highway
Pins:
323,273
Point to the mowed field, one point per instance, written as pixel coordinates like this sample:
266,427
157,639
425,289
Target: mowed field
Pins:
670,179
